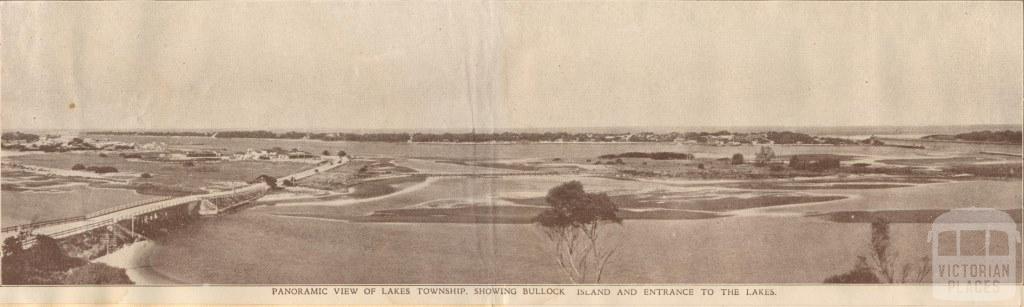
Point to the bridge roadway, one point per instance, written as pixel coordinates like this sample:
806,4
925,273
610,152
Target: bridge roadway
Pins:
94,221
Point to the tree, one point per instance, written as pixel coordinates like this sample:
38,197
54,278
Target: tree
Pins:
765,155
573,225
12,246
271,181
737,159
882,263
341,153
325,153
43,263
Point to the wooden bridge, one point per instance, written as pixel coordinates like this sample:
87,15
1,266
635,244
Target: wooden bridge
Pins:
148,211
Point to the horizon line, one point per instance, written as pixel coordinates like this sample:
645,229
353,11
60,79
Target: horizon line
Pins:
513,129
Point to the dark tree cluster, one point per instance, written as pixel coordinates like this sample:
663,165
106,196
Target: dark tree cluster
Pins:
572,206
261,134
18,136
94,169
787,137
814,162
1006,136
359,137
651,155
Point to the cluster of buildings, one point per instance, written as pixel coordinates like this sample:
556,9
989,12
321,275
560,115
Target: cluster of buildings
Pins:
211,155
150,151
64,143
294,154
728,139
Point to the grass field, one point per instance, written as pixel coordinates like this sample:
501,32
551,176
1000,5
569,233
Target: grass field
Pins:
203,174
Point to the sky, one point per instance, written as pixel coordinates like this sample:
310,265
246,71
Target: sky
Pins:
505,65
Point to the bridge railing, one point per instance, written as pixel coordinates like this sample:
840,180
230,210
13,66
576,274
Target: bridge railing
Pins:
125,207
83,228
42,223
244,194
29,241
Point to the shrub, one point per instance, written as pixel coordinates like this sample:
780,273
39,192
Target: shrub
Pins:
737,159
102,155
101,170
271,181
97,274
43,263
188,164
78,167
813,162
146,175
764,156
860,274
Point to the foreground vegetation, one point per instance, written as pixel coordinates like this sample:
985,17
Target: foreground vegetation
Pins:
883,264
44,263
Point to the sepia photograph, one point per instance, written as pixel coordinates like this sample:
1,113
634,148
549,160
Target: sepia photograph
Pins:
512,147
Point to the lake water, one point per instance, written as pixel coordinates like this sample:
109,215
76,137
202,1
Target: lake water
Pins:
70,201
257,246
